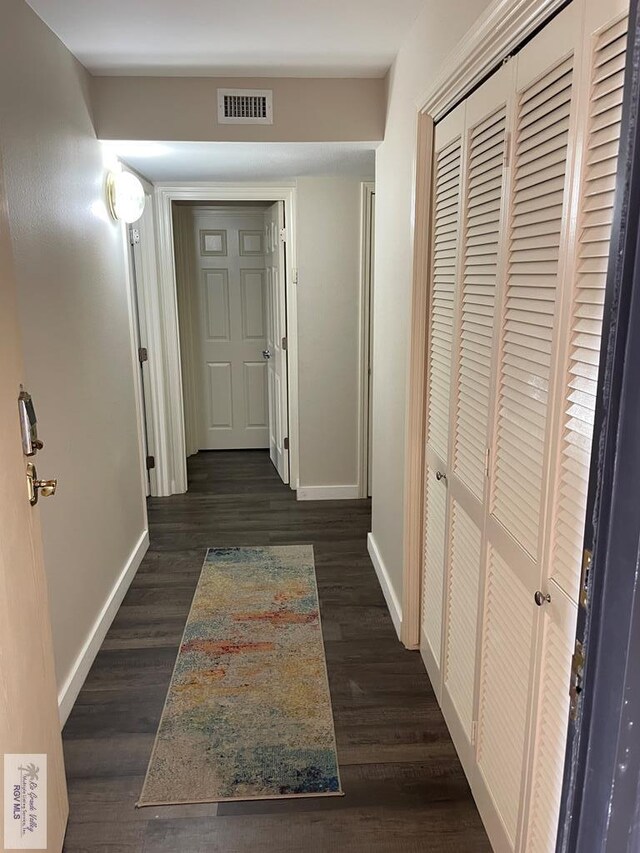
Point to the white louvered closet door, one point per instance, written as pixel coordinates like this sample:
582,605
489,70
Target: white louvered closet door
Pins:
447,183
520,253
527,352
481,267
601,92
605,51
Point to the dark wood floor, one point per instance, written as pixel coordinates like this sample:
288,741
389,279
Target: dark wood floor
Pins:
405,789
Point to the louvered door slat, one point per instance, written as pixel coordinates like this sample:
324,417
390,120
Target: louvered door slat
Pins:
445,240
462,613
551,729
482,239
586,311
504,680
530,300
433,562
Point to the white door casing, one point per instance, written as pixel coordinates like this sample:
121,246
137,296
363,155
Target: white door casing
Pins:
167,396
139,332
29,721
277,343
368,196
230,280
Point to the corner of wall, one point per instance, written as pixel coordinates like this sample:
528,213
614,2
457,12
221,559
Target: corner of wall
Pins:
384,578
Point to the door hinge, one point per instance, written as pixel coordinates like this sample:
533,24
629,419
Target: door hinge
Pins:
151,462
134,235
284,343
577,674
143,355
487,460
474,732
587,557
294,275
283,235
507,149
286,443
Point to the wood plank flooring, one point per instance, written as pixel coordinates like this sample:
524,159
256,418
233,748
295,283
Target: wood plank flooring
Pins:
405,789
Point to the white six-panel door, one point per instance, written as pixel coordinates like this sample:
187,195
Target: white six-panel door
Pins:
231,298
524,172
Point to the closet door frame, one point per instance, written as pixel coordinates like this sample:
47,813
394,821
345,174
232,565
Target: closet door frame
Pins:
498,31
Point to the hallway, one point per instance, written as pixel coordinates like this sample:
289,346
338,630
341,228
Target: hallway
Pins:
405,789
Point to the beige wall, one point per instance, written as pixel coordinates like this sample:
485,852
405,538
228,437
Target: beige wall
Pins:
185,108
328,318
74,309
433,36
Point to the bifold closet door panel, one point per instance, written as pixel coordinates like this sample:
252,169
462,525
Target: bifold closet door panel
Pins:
549,737
444,274
606,28
435,514
481,267
545,115
444,263
527,356
483,254
601,84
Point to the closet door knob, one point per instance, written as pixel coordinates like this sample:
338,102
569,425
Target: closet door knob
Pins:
440,476
540,598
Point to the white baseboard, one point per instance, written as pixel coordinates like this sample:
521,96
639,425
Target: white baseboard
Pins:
391,598
327,493
70,689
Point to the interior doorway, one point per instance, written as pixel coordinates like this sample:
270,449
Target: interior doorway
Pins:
254,294
231,293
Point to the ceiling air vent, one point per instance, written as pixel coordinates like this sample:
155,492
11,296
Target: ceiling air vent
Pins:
245,106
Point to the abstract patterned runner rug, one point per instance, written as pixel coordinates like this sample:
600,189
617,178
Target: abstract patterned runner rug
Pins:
248,713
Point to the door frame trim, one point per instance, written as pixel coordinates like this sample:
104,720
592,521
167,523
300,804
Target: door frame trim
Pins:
367,193
503,27
141,269
166,385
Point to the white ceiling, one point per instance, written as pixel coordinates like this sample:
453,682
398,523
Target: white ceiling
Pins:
245,161
311,38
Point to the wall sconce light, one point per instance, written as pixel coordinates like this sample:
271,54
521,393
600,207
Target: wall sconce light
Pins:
125,196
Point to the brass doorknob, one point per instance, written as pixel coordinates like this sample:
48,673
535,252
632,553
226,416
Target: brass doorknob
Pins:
36,487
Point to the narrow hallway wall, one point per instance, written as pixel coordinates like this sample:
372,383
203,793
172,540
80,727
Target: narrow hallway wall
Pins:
74,307
434,35
328,328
